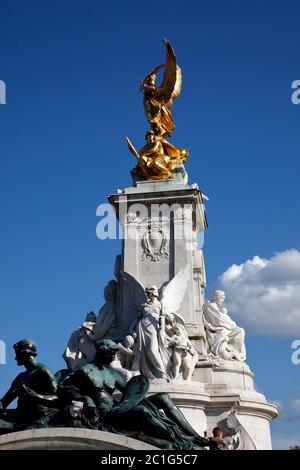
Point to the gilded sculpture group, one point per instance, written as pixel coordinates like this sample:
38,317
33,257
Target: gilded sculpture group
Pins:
158,159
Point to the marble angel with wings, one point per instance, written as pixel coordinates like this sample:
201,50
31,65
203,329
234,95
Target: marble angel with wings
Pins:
157,317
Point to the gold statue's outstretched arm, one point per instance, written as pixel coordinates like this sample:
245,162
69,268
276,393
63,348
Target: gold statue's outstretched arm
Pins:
152,72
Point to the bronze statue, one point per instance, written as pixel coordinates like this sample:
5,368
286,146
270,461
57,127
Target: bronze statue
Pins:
159,159
94,384
35,390
85,398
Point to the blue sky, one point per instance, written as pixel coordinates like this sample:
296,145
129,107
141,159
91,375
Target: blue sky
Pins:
72,70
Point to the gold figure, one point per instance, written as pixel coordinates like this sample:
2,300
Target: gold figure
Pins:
159,100
158,158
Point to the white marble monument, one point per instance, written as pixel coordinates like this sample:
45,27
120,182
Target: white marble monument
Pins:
187,347
219,382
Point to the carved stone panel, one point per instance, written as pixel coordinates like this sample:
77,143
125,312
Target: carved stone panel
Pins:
155,243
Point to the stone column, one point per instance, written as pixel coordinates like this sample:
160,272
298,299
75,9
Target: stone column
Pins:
161,222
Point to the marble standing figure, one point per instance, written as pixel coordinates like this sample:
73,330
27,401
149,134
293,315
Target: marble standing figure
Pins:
152,357
156,316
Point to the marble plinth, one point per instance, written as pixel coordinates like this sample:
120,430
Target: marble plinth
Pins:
215,392
69,439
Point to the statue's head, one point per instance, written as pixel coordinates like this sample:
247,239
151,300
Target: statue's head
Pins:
110,290
90,317
218,296
176,330
150,136
151,80
25,351
128,341
152,291
106,350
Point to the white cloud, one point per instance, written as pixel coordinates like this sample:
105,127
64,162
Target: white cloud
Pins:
264,294
296,404
288,412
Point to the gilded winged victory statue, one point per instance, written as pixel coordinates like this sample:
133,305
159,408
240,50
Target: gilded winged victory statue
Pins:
159,159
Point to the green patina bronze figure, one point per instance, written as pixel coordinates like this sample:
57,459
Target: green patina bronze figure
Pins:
35,390
95,397
155,420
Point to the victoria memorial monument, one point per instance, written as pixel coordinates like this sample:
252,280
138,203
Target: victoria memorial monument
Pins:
160,365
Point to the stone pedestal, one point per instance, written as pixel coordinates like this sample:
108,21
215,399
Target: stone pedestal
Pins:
161,223
222,391
69,439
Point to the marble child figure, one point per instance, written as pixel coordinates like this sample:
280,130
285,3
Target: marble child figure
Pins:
184,356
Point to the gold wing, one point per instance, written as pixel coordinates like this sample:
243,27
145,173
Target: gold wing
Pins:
172,80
